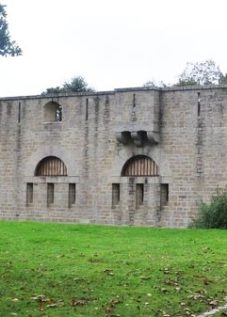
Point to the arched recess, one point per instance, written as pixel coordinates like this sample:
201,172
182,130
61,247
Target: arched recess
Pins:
69,156
51,166
52,112
140,165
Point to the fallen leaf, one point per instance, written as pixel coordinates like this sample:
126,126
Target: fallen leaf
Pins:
108,271
213,303
171,282
52,305
196,296
111,306
78,302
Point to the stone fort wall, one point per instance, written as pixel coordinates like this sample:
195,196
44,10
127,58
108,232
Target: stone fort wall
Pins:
183,132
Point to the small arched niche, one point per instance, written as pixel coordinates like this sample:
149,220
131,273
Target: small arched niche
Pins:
51,166
140,165
53,112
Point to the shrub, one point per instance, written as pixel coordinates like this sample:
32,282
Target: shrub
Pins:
213,214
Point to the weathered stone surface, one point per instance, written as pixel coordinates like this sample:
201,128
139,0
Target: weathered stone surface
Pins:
189,147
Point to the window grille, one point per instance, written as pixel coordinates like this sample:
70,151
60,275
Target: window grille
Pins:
140,166
51,166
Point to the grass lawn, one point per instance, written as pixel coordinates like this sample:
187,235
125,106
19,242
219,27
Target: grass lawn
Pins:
84,270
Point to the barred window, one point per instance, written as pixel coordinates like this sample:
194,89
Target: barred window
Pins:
51,166
140,165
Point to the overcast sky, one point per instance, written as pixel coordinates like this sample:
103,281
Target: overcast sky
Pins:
112,43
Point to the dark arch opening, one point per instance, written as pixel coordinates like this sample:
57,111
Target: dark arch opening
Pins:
51,166
140,165
53,111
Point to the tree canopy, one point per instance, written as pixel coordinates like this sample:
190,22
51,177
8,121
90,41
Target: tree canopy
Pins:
154,84
7,46
195,74
203,73
77,84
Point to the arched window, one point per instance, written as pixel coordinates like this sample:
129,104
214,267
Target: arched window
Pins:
53,112
140,165
51,166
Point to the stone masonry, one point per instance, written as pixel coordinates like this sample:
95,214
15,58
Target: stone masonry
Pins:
180,133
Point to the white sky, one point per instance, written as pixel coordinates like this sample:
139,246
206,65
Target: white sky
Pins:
112,43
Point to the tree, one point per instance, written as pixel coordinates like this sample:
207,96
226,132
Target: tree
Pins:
7,46
154,84
213,214
77,84
223,79
53,90
203,73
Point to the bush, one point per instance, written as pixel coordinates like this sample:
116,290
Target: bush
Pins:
213,214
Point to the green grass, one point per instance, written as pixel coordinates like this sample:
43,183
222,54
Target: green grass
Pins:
82,270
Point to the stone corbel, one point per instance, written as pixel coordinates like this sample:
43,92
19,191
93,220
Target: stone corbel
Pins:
137,138
153,137
123,137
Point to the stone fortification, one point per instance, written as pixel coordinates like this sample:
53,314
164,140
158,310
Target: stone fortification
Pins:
133,156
